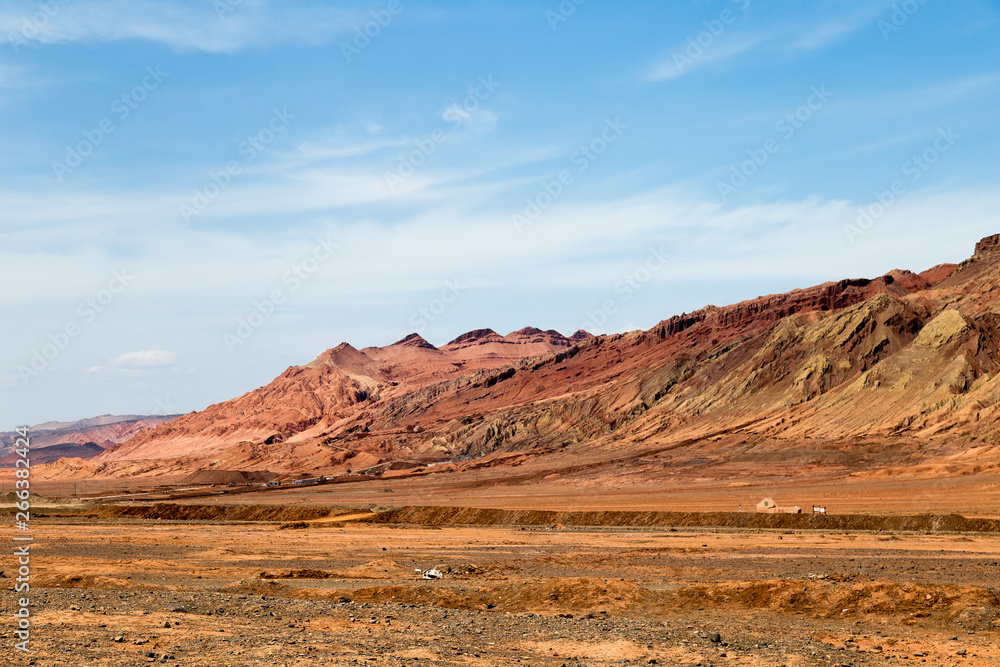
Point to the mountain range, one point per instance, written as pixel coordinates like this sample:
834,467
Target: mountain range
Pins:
84,438
892,375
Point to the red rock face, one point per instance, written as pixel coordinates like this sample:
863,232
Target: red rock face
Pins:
343,383
902,357
988,245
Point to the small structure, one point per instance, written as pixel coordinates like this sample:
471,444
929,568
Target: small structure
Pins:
768,506
274,483
817,509
433,573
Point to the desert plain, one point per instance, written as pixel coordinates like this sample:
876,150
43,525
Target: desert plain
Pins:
640,575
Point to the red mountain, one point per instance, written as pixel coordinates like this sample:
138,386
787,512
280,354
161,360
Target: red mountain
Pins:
870,377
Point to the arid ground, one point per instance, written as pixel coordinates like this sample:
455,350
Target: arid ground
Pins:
299,585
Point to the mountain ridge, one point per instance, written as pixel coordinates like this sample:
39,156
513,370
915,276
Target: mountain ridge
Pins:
862,376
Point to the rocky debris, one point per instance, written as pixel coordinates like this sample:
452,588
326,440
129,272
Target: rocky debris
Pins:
278,631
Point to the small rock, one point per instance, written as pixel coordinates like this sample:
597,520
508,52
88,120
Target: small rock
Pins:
715,638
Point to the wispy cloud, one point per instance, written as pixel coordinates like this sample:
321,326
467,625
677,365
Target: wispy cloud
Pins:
891,104
145,359
477,120
184,26
783,38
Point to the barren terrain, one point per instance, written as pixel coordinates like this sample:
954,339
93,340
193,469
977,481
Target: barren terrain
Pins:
338,586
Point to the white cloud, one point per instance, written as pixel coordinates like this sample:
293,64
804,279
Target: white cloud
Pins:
477,120
142,359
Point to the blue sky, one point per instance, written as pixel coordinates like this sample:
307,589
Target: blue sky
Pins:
197,195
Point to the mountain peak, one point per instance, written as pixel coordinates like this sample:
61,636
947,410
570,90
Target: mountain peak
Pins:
414,340
526,331
474,336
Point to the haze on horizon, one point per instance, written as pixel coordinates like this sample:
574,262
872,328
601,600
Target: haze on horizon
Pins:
199,194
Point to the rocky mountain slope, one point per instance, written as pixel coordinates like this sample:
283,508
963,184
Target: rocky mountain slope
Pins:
341,385
872,377
101,432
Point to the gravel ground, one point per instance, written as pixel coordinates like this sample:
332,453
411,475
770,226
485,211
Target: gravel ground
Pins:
117,593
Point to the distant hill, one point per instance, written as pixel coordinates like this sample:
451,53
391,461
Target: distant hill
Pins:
101,432
52,453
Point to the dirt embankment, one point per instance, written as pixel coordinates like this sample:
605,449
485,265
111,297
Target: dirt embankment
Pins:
296,517
970,606
172,512
446,516
557,594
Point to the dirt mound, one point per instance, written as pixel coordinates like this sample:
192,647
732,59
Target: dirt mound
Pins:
829,599
263,587
379,565
568,594
376,569
447,516
172,512
305,573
